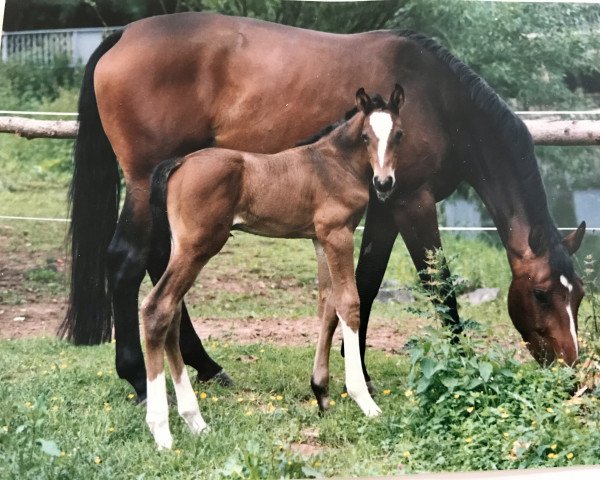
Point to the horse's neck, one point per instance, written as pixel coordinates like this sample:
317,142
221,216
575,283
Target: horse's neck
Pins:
509,183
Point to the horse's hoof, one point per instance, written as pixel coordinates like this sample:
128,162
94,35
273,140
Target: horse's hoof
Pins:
371,387
221,378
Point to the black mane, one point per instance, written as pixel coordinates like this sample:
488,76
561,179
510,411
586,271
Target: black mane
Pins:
509,127
378,102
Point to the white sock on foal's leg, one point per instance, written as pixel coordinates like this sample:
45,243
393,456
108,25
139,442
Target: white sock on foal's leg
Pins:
187,404
157,411
355,379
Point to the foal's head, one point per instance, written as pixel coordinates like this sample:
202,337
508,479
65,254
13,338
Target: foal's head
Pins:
382,134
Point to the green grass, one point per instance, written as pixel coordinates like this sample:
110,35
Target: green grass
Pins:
65,414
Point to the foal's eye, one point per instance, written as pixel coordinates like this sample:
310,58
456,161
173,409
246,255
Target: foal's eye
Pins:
365,138
542,296
398,136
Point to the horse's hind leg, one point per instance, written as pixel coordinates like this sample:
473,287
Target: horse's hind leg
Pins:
187,404
127,255
319,381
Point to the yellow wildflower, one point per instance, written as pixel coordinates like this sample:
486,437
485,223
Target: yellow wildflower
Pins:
505,434
344,394
203,395
406,454
552,455
215,399
111,429
313,402
470,409
505,415
240,399
248,413
99,373
553,446
560,360
97,460
279,398
332,402
130,396
29,404
570,455
550,410
408,393
457,396
5,428
387,392
177,452
469,439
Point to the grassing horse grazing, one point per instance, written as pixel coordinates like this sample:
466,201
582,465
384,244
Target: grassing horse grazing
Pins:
169,85
317,191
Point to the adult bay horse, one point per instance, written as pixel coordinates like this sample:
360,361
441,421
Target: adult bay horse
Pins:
318,191
169,85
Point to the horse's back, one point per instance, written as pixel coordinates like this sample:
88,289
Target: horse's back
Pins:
177,83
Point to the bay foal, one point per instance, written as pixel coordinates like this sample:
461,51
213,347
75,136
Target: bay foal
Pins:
317,191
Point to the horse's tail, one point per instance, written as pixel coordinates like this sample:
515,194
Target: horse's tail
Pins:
94,203
161,231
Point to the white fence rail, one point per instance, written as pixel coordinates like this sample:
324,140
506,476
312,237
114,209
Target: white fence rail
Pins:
41,47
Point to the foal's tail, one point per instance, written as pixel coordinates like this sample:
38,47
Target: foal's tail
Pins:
161,231
94,202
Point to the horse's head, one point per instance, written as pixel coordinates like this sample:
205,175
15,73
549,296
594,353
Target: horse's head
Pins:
545,294
382,133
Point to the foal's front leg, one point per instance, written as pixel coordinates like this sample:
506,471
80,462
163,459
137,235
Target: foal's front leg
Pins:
319,381
339,249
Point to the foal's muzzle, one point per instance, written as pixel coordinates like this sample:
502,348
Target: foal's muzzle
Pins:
383,187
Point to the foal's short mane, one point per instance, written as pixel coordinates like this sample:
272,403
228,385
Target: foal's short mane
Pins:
509,127
378,102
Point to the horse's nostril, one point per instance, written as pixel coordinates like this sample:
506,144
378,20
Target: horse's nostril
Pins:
385,185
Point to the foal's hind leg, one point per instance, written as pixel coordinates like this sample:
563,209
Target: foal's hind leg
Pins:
192,350
187,404
319,381
158,313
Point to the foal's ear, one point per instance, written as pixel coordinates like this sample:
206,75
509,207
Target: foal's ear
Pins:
363,101
397,98
572,241
538,241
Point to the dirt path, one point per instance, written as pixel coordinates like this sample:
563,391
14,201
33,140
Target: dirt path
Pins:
43,319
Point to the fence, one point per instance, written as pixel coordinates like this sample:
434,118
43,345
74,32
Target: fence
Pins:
41,47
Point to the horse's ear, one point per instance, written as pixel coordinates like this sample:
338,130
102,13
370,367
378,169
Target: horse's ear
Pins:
397,98
538,242
363,101
572,241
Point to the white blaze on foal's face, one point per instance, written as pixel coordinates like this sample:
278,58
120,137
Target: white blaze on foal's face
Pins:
381,123
569,287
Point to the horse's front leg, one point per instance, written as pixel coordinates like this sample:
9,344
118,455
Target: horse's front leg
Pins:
378,239
319,381
416,220
338,246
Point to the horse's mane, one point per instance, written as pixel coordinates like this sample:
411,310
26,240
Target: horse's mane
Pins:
378,103
508,126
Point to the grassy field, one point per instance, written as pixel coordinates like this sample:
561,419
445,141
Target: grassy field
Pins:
65,414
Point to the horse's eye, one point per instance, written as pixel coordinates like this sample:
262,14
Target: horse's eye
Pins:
365,138
398,136
542,296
